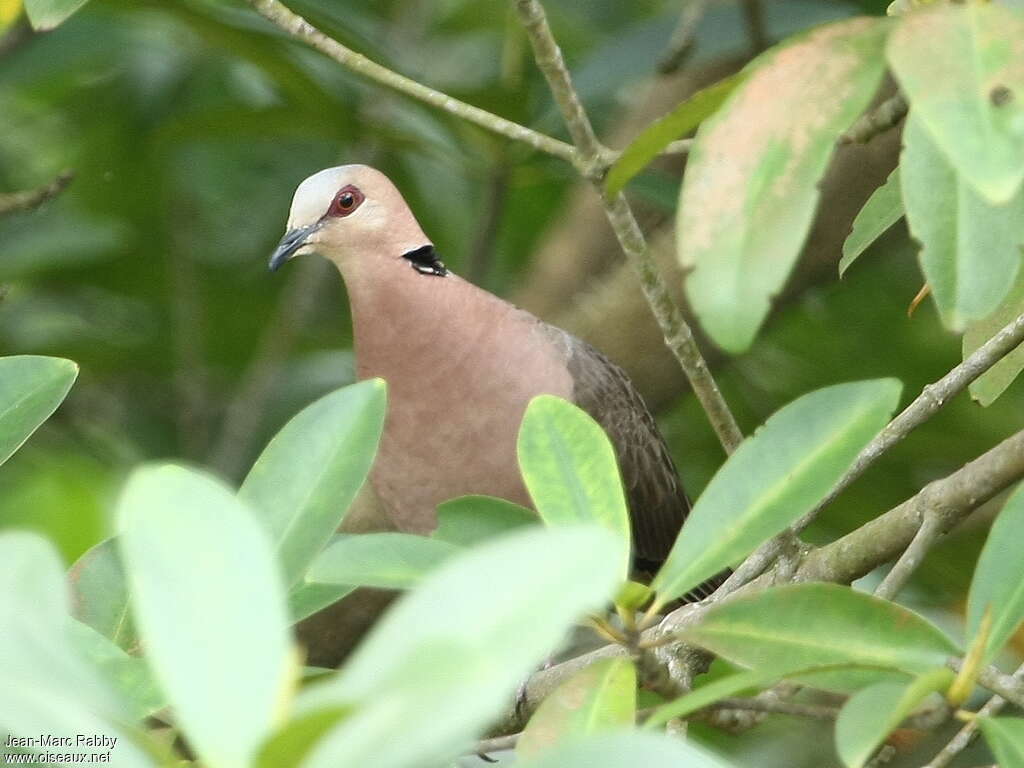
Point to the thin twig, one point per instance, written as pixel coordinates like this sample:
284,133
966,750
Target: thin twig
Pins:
967,734
879,120
298,27
757,34
929,532
933,397
678,335
778,706
28,199
682,41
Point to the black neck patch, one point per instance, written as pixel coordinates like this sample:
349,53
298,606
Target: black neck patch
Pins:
424,260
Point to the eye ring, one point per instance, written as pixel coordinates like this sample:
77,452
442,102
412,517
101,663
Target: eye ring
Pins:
346,201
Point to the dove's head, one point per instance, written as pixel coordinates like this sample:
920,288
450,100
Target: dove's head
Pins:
349,214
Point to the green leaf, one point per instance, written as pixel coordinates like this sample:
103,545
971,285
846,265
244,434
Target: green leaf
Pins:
1005,737
128,675
307,598
290,745
798,626
959,66
883,209
307,477
458,645
991,384
45,15
382,560
47,688
598,698
662,132
469,520
751,183
209,605
971,248
31,388
874,712
773,478
570,470
100,594
629,748
998,581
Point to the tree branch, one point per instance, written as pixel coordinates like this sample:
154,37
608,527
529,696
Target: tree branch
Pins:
677,333
29,199
967,734
842,561
899,575
1009,687
299,28
924,406
951,499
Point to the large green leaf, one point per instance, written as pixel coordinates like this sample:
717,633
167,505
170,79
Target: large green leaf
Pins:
774,477
599,698
31,388
47,14
874,712
751,183
570,470
991,384
470,520
307,477
998,582
883,209
799,626
1005,736
959,66
629,748
47,687
100,594
209,605
662,132
971,248
445,660
383,560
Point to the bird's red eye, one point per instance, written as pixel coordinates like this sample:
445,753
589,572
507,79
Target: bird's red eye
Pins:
346,201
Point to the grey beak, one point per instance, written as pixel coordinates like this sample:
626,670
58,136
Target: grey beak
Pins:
290,243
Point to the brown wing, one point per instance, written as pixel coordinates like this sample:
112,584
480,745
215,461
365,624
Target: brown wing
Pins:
657,501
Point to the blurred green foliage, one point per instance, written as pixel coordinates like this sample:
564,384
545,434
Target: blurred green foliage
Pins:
190,122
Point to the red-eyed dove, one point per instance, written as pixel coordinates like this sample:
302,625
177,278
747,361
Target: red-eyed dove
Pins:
462,364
